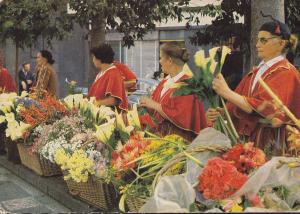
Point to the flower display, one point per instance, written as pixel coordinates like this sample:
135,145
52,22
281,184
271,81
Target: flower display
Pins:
245,157
79,166
220,179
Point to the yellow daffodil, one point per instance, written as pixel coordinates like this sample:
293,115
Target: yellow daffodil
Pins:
133,117
236,208
10,117
20,108
6,107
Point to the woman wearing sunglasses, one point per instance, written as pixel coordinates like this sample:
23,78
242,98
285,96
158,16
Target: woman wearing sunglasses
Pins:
255,115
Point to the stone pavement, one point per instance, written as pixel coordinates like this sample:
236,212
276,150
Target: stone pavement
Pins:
17,196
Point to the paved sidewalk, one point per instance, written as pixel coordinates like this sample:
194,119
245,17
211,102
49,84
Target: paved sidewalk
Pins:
17,196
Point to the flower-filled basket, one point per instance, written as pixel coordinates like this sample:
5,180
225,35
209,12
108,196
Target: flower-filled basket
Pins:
36,162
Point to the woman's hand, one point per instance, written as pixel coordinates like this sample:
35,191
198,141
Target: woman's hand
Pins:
220,86
212,114
147,102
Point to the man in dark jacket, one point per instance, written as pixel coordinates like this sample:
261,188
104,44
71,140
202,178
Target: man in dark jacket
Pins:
26,78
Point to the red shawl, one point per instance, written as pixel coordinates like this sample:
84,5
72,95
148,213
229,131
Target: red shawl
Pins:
7,83
110,83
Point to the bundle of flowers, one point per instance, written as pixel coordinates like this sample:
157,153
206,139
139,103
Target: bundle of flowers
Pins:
137,162
245,157
47,138
220,179
49,110
86,157
10,108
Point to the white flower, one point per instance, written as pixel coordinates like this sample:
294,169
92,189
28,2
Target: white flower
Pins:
24,94
105,130
2,119
133,117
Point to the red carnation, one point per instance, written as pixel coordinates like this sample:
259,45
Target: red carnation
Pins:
220,179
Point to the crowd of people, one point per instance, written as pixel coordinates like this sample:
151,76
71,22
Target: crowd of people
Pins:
248,104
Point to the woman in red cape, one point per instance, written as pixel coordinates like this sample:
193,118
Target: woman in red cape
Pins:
253,111
7,83
130,78
108,87
182,115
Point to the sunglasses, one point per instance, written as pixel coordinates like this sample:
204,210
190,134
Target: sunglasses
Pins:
264,41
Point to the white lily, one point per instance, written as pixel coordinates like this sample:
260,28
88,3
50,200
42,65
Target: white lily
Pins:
133,117
10,117
105,130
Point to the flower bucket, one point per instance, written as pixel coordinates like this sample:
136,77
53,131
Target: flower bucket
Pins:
37,163
93,192
12,151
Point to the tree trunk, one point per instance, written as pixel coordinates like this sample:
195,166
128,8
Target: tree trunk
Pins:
97,35
17,65
275,8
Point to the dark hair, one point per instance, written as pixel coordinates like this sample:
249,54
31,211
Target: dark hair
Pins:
25,63
47,55
176,50
104,52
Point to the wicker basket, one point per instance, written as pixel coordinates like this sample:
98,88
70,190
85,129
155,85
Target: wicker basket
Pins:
37,163
94,192
134,203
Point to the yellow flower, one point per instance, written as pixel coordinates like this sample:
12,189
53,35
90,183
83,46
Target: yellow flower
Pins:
186,69
236,208
133,117
24,94
225,51
200,59
213,66
178,85
212,52
105,130
2,119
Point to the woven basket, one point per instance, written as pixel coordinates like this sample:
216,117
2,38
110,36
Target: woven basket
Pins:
37,163
134,203
94,192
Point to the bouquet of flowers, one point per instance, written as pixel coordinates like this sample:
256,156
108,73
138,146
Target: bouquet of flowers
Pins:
200,84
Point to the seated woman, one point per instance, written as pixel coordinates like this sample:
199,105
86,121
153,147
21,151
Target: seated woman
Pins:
254,114
7,83
46,77
182,115
108,87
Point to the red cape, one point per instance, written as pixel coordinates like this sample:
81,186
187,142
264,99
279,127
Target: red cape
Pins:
129,75
6,81
111,83
185,112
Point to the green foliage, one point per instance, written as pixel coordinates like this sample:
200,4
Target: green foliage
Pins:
25,21
225,24
132,18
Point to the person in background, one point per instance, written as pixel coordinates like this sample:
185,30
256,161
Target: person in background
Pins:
232,69
26,78
182,115
46,77
7,83
130,79
253,111
108,87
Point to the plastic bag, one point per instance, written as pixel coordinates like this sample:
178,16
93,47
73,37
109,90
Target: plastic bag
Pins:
172,194
269,175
